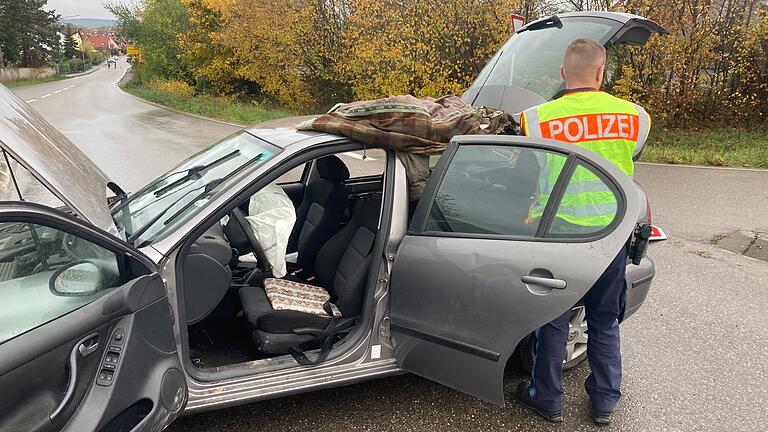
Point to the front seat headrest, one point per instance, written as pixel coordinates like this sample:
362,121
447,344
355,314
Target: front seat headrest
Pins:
332,168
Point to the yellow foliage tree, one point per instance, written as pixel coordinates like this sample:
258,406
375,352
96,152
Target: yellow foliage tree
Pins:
422,47
290,47
211,63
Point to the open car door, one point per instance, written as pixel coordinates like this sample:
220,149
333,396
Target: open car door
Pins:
86,331
488,259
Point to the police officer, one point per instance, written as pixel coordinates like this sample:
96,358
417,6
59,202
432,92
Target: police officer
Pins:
583,115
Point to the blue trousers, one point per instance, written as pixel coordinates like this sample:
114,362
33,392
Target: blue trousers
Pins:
604,304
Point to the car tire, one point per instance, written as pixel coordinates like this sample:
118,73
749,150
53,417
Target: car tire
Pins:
576,349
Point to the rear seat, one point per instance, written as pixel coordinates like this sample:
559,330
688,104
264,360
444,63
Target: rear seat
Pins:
341,270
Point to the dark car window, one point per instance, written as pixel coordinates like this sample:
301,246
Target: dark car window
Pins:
491,190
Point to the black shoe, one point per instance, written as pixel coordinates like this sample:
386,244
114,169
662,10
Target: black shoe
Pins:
523,397
600,417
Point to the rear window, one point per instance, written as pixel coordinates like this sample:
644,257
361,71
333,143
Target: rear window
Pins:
531,60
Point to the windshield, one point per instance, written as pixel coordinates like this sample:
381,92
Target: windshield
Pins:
184,190
531,59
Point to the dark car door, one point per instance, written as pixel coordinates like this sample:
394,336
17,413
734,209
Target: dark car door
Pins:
491,254
86,331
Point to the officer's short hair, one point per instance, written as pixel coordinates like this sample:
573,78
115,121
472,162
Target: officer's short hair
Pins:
582,58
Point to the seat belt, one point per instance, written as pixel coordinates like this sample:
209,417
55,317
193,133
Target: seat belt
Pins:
326,338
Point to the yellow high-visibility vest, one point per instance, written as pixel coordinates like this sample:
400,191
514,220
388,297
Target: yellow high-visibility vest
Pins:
598,122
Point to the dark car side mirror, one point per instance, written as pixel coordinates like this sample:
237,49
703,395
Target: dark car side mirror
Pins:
80,278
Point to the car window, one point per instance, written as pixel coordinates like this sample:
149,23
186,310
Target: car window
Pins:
531,59
491,189
588,205
182,192
292,176
364,163
46,273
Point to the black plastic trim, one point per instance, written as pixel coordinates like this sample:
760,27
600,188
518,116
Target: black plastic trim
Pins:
447,342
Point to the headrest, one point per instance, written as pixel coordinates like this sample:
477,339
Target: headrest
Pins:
332,168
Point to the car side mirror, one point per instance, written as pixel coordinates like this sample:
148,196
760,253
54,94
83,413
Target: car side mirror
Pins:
81,278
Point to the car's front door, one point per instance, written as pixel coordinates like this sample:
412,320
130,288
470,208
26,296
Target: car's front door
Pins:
86,337
493,252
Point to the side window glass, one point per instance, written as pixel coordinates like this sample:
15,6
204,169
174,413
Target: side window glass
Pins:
292,176
588,206
46,273
495,190
364,163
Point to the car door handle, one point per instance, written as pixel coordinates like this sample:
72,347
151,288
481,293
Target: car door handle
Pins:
544,282
87,346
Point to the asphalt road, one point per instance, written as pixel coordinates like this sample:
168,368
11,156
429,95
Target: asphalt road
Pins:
694,355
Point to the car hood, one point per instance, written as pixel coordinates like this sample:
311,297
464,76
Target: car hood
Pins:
54,160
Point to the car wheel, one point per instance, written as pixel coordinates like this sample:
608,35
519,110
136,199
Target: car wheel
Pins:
576,348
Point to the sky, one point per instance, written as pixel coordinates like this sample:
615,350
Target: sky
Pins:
84,8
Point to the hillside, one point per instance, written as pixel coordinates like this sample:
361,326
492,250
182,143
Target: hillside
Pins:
90,23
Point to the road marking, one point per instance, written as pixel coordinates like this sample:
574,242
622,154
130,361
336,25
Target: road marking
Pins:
57,91
45,96
358,156
31,100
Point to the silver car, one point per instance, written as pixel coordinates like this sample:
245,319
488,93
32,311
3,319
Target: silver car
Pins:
123,311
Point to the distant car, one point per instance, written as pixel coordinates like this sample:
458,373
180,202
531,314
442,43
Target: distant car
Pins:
120,312
112,61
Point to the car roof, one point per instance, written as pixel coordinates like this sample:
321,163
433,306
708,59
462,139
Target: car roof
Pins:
284,133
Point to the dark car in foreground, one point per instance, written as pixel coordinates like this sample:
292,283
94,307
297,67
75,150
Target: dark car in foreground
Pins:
123,311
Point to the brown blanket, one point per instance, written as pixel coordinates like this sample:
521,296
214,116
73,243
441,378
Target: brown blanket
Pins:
414,127
410,124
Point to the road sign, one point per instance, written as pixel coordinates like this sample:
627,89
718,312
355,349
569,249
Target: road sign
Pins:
657,233
132,50
518,21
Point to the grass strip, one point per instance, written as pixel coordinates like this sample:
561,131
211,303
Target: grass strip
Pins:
720,147
219,108
33,81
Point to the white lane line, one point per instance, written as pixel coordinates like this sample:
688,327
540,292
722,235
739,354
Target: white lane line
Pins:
57,91
31,100
45,96
358,156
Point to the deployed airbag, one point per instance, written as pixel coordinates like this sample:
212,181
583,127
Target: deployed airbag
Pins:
271,215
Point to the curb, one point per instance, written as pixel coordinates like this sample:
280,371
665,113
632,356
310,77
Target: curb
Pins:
157,105
88,72
658,164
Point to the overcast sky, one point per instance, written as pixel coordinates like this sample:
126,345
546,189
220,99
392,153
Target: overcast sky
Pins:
84,8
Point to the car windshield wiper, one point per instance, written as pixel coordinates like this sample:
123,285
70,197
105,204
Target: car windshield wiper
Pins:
195,171
553,21
207,188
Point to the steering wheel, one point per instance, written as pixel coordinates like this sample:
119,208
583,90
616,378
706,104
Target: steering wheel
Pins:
238,217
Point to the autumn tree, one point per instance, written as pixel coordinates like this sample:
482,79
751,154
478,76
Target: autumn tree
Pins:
291,48
155,25
423,47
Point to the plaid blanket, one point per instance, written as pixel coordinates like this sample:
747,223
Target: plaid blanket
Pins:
414,127
410,124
